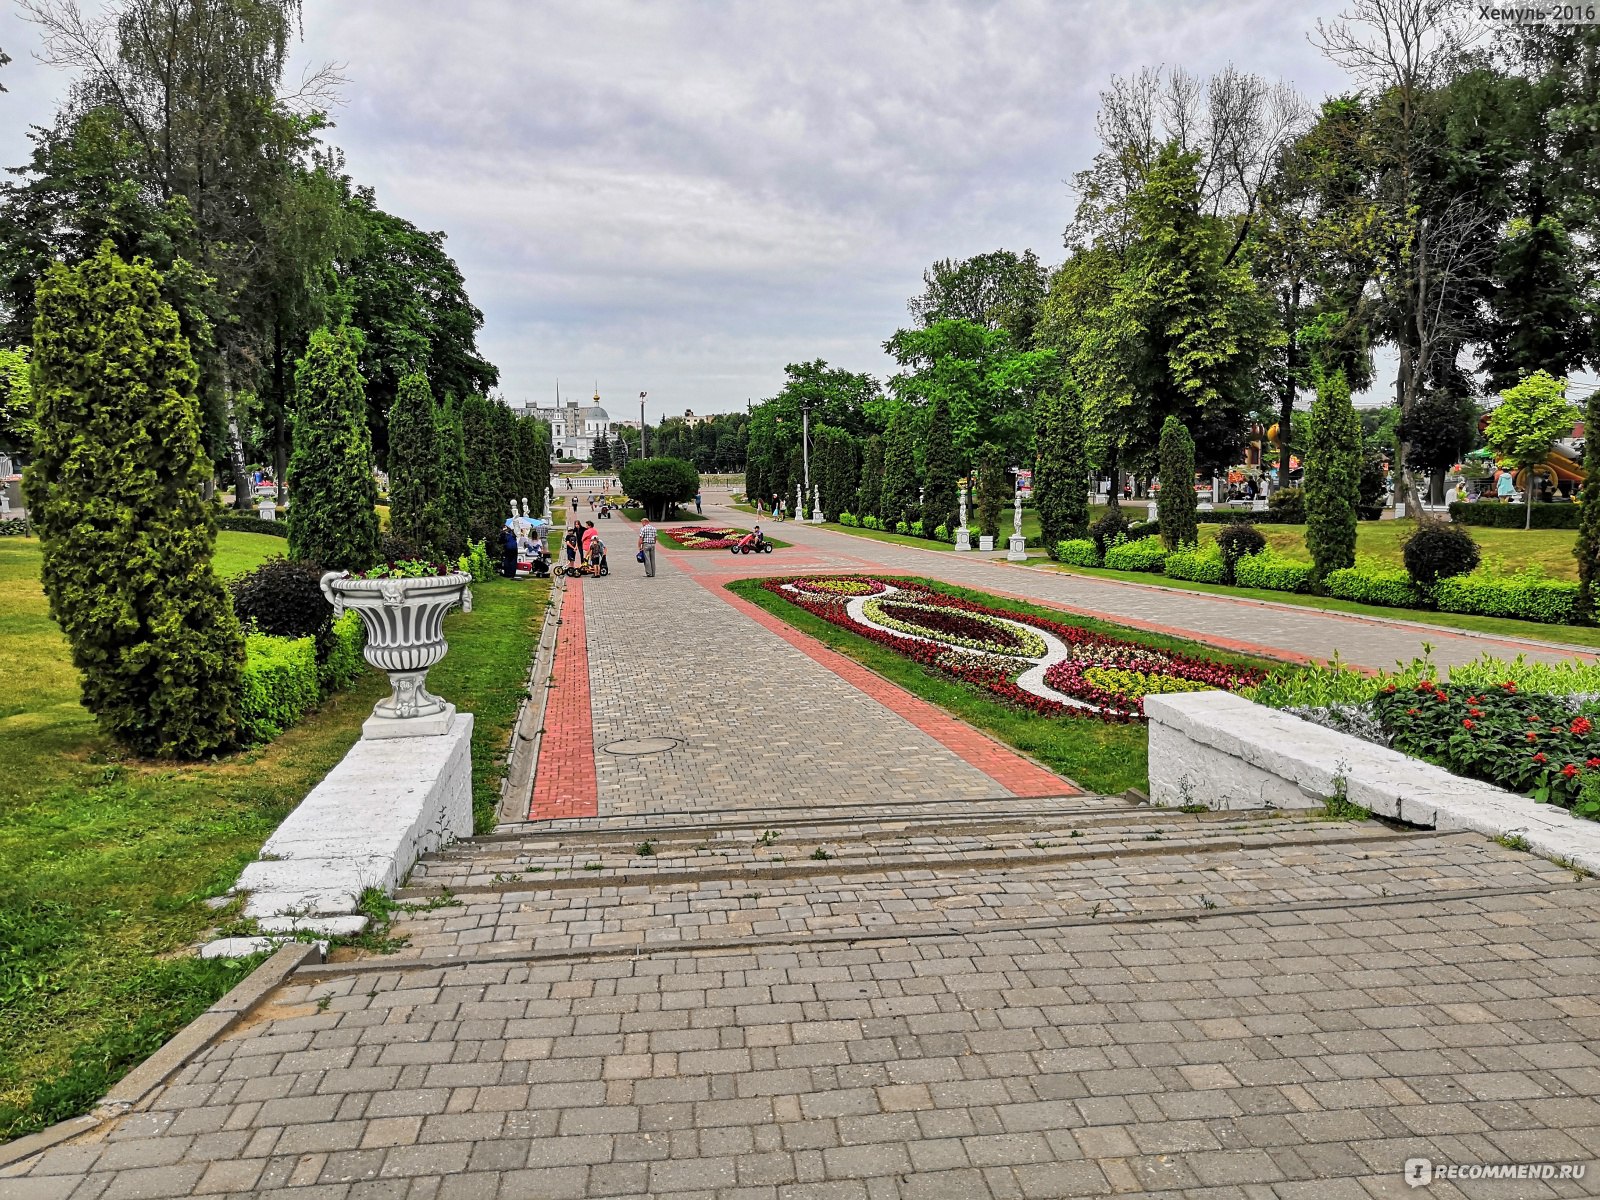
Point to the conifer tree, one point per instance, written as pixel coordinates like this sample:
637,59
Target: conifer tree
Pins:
413,463
940,470
899,502
452,515
869,493
990,494
1176,507
333,520
1587,549
1061,471
600,455
115,492
1332,483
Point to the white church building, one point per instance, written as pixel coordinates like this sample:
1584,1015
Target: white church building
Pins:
573,428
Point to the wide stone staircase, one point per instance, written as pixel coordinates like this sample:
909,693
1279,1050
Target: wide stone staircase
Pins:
855,870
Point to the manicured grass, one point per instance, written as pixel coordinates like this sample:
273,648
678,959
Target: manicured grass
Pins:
1099,755
1382,541
105,859
1570,635
241,552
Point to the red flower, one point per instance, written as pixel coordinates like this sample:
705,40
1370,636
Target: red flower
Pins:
1468,723
1389,690
1441,697
1569,770
1425,685
1582,725
1475,712
1538,758
1411,712
1532,736
1509,685
1474,699
1592,763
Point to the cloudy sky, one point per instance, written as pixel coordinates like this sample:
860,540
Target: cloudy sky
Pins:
681,197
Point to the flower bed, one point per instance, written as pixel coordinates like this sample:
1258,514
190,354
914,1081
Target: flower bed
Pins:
1047,667
1523,726
702,537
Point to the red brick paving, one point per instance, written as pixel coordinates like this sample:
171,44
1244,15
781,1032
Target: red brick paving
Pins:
1018,775
564,782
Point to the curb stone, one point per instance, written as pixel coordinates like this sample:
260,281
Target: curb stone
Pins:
139,1083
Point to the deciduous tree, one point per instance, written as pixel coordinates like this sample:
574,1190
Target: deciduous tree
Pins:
1530,417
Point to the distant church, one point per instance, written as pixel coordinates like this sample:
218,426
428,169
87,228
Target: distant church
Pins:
573,429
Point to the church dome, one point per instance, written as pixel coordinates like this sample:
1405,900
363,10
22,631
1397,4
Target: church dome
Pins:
594,412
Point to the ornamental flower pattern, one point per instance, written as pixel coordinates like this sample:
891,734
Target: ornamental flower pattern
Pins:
703,537
1047,667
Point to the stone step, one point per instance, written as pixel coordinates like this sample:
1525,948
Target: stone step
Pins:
1324,872
962,848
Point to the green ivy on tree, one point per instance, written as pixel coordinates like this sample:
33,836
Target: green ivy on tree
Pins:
990,494
115,493
1176,507
1332,484
414,463
332,518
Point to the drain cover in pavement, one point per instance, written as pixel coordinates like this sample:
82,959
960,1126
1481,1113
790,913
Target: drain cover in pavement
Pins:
641,745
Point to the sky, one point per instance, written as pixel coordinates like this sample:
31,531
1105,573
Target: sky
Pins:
681,198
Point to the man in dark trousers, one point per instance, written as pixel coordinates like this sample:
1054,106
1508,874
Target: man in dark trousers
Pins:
508,552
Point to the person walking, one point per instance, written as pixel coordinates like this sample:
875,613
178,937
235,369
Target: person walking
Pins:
697,500
647,548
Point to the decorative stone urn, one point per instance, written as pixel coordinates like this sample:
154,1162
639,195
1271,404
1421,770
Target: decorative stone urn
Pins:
404,620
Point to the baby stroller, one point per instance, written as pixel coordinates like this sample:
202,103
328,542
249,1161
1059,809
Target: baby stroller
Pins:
539,565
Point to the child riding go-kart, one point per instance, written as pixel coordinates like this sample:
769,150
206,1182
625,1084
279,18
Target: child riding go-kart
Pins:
752,543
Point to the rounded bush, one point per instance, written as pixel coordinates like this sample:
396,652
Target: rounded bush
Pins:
393,548
284,599
1237,540
1105,530
1439,550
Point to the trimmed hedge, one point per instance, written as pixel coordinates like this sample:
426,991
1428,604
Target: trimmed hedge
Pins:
1491,514
239,523
17,527
1525,597
1146,554
278,687
1079,552
848,519
1271,572
1391,589
1202,564
342,661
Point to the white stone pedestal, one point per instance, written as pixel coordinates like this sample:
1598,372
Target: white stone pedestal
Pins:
963,538
268,511
434,725
1017,548
985,542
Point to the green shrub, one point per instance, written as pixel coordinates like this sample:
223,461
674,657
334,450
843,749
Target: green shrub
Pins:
1527,596
475,562
848,519
871,522
115,491
944,533
1143,529
239,523
1202,564
1079,552
902,528
1107,529
1439,550
1332,477
282,599
279,685
1287,506
1370,585
342,662
916,529
1146,554
1490,514
1177,506
660,483
1237,540
18,527
1271,572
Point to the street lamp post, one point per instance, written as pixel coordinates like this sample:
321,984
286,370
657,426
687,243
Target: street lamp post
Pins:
642,453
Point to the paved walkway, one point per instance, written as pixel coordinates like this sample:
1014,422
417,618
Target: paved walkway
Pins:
1282,631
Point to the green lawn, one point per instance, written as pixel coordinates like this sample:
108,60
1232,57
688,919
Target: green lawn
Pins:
241,552
1100,755
1382,541
105,859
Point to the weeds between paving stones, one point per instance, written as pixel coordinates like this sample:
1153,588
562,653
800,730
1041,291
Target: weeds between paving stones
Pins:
645,849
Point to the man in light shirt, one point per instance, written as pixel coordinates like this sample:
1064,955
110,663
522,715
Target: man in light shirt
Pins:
647,547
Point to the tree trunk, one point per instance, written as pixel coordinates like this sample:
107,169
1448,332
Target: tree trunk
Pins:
1286,406
1436,486
1527,498
241,473
1114,496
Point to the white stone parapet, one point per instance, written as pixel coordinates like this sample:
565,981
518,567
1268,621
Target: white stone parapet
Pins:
387,803
1226,752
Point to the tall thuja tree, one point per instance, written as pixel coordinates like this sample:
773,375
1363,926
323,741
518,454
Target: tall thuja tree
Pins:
1587,549
600,455
990,493
16,400
533,440
1061,468
1176,507
1332,477
114,489
900,485
835,469
869,493
941,470
413,463
333,520
452,509
484,489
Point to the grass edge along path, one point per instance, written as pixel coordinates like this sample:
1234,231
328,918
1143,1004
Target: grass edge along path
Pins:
1100,756
105,860
1558,636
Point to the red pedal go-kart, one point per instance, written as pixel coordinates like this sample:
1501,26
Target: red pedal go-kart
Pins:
750,544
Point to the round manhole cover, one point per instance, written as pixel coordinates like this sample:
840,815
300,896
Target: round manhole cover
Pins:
656,745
